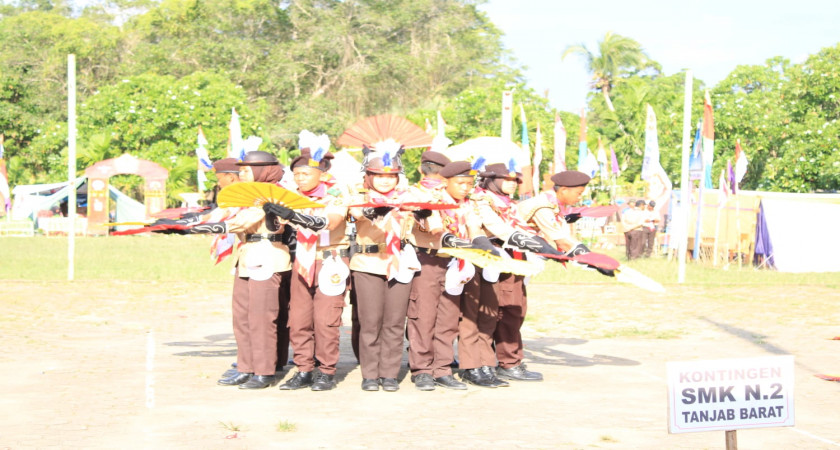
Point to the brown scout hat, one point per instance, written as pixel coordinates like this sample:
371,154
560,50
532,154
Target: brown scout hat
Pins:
570,178
457,169
500,170
226,165
434,158
321,159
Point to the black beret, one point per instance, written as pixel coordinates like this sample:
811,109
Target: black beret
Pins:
570,178
640,203
435,158
457,169
227,165
259,158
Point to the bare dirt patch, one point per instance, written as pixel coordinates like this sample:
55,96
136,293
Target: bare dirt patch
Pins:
134,365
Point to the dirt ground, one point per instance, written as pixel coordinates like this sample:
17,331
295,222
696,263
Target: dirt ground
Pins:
131,365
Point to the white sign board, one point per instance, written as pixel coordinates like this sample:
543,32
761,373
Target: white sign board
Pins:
730,394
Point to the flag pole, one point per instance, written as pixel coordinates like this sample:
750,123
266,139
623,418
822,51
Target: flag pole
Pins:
686,146
71,164
717,231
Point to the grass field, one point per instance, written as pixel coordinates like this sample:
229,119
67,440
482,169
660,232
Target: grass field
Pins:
187,258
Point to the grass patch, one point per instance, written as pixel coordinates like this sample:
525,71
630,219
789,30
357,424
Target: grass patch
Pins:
230,426
285,426
607,438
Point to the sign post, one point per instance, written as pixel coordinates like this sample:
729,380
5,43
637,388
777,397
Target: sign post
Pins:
730,394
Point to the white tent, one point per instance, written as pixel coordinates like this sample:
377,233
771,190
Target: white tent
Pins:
798,236
30,199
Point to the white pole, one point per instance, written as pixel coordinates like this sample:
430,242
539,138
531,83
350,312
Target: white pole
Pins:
71,164
686,149
507,114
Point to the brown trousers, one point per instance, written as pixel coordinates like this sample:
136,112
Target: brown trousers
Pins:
432,319
635,243
314,321
283,319
479,311
256,311
382,308
513,304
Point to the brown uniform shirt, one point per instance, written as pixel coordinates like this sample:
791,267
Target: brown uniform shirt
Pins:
275,254
374,232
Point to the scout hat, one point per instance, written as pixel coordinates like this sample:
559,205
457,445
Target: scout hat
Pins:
258,158
314,151
457,169
570,178
226,165
501,170
434,158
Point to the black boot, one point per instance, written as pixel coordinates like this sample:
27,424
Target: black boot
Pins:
490,374
477,377
323,382
236,379
300,380
259,382
519,373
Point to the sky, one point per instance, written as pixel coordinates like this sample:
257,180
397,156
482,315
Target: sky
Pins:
710,37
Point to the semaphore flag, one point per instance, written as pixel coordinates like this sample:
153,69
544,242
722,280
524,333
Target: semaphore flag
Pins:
616,171
602,160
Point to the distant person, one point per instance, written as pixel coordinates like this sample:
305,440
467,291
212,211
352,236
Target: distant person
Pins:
649,228
632,221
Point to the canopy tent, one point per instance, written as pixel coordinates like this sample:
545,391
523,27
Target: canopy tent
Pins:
798,236
30,199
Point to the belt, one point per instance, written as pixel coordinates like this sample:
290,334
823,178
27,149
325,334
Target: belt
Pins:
375,248
428,251
259,237
343,253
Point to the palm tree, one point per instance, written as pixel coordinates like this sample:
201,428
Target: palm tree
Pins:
617,55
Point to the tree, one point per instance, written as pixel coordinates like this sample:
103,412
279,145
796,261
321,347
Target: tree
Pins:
618,57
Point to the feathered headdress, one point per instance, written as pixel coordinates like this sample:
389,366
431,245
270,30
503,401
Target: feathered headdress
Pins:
511,166
318,146
478,165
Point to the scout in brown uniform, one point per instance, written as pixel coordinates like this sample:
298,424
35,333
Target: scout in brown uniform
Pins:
480,305
315,308
382,299
259,262
432,312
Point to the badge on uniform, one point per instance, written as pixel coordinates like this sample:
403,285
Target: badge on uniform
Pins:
458,273
332,278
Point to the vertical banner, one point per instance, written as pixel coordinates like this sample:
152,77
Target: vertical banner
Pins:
559,145
507,115
537,160
71,165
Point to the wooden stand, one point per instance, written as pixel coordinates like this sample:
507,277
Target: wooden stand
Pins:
731,440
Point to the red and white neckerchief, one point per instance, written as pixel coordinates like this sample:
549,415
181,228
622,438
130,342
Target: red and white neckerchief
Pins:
505,207
432,183
307,240
223,244
453,219
392,224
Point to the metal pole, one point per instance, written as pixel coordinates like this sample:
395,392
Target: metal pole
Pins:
71,164
686,149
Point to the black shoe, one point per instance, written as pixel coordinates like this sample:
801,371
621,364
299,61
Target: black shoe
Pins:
300,380
424,382
389,384
490,374
323,382
259,382
448,381
519,373
454,364
230,372
370,384
477,377
235,379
